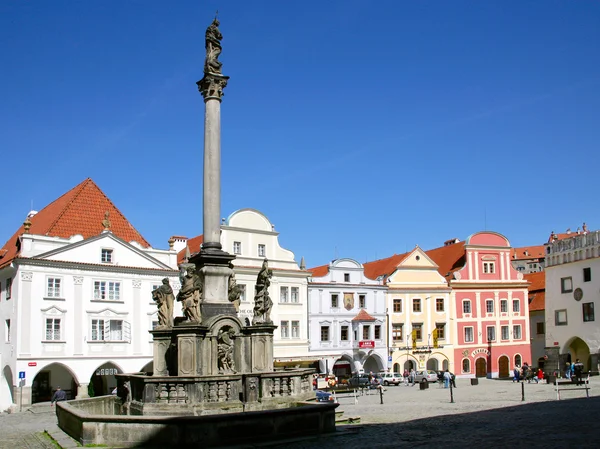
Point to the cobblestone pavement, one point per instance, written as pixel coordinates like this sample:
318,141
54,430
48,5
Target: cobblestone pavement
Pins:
491,413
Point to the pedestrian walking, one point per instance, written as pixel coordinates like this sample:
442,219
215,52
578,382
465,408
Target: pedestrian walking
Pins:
578,371
447,379
59,395
568,371
405,375
516,374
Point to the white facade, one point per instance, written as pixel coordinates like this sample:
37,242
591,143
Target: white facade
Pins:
572,296
77,311
250,235
339,336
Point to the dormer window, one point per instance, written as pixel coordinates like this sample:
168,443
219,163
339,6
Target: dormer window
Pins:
107,255
262,250
489,267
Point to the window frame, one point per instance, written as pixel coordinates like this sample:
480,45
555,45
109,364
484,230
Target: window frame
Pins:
489,267
520,333
377,332
470,328
557,317
417,302
102,327
294,295
487,306
516,306
587,274
366,332
466,362
262,250
467,302
53,294
504,333
284,298
439,305
564,288
56,326
395,328
335,300
590,315
419,328
237,247
284,331
295,329
7,330
441,330
491,336
346,277
543,328
504,306
116,290
397,305
362,301
325,332
9,283
107,255
344,329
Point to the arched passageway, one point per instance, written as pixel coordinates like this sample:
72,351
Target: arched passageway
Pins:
578,349
103,381
373,364
433,364
397,368
342,368
49,378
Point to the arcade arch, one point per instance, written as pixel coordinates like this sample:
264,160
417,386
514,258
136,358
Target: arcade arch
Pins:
103,380
7,387
576,348
48,378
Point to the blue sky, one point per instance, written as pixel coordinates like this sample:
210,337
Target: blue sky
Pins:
359,128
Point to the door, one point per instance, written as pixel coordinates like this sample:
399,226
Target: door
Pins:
503,370
41,391
481,367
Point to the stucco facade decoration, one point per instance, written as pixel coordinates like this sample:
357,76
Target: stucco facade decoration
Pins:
347,319
572,286
251,237
418,299
491,309
77,306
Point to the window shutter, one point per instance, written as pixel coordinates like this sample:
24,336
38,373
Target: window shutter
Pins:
107,330
127,331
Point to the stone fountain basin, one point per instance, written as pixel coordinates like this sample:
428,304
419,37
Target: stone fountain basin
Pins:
98,421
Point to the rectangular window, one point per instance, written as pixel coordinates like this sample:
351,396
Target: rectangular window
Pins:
295,329
416,304
334,300
397,334
489,267
468,334
560,317
503,305
110,330
566,285
242,288
262,250
107,290
539,328
344,333
97,330
106,255
504,330
366,332
324,333
378,332
8,288
237,247
441,331
588,311
346,277
295,294
362,301
52,329
418,329
285,329
7,331
489,306
397,305
53,288
517,331
439,304
587,274
491,333
516,305
467,306
283,294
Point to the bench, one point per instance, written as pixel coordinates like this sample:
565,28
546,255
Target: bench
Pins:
571,385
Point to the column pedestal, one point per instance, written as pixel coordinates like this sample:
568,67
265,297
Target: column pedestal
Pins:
191,346
258,351
161,351
214,266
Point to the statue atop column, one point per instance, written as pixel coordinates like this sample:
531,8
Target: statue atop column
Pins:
262,301
189,295
164,298
213,48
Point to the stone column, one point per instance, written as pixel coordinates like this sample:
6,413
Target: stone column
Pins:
82,390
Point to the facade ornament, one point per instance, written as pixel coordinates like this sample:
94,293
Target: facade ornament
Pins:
78,280
164,298
137,283
27,225
234,291
106,222
225,339
262,302
26,276
189,295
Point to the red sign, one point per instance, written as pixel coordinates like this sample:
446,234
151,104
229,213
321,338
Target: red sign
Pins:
366,344
32,364
555,343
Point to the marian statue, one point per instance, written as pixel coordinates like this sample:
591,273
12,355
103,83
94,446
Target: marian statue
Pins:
189,295
262,302
164,298
213,48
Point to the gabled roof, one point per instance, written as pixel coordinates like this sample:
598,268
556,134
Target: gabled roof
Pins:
383,267
363,316
528,252
320,271
193,244
536,290
79,211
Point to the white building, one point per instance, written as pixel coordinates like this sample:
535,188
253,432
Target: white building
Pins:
251,237
75,302
347,318
572,292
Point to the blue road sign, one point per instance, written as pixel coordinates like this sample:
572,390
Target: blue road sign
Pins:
21,374
389,358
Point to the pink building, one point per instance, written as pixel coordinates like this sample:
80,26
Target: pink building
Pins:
491,308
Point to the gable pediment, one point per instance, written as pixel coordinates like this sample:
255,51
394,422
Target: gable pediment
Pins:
53,310
107,312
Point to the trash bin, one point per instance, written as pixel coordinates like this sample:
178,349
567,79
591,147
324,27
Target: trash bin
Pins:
475,381
424,385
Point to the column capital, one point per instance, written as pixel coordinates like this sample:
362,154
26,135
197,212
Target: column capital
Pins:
212,85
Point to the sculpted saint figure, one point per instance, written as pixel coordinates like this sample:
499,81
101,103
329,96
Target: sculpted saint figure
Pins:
164,298
234,292
225,351
189,295
213,48
262,300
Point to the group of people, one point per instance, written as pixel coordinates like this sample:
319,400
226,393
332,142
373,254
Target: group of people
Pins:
527,373
574,371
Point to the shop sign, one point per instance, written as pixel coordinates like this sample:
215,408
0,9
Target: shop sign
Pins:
366,344
480,351
32,364
106,372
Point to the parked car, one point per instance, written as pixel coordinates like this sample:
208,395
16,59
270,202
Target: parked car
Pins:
362,380
391,379
323,396
426,375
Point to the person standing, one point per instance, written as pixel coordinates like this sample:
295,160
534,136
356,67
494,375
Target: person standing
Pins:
405,375
578,371
447,379
568,371
412,377
516,374
59,395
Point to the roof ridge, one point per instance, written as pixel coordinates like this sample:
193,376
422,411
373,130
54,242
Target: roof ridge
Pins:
79,187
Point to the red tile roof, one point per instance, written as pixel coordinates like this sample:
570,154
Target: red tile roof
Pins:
320,271
538,301
363,316
537,290
383,267
528,252
79,211
193,244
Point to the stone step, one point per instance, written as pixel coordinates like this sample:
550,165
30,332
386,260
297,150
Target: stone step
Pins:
347,420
